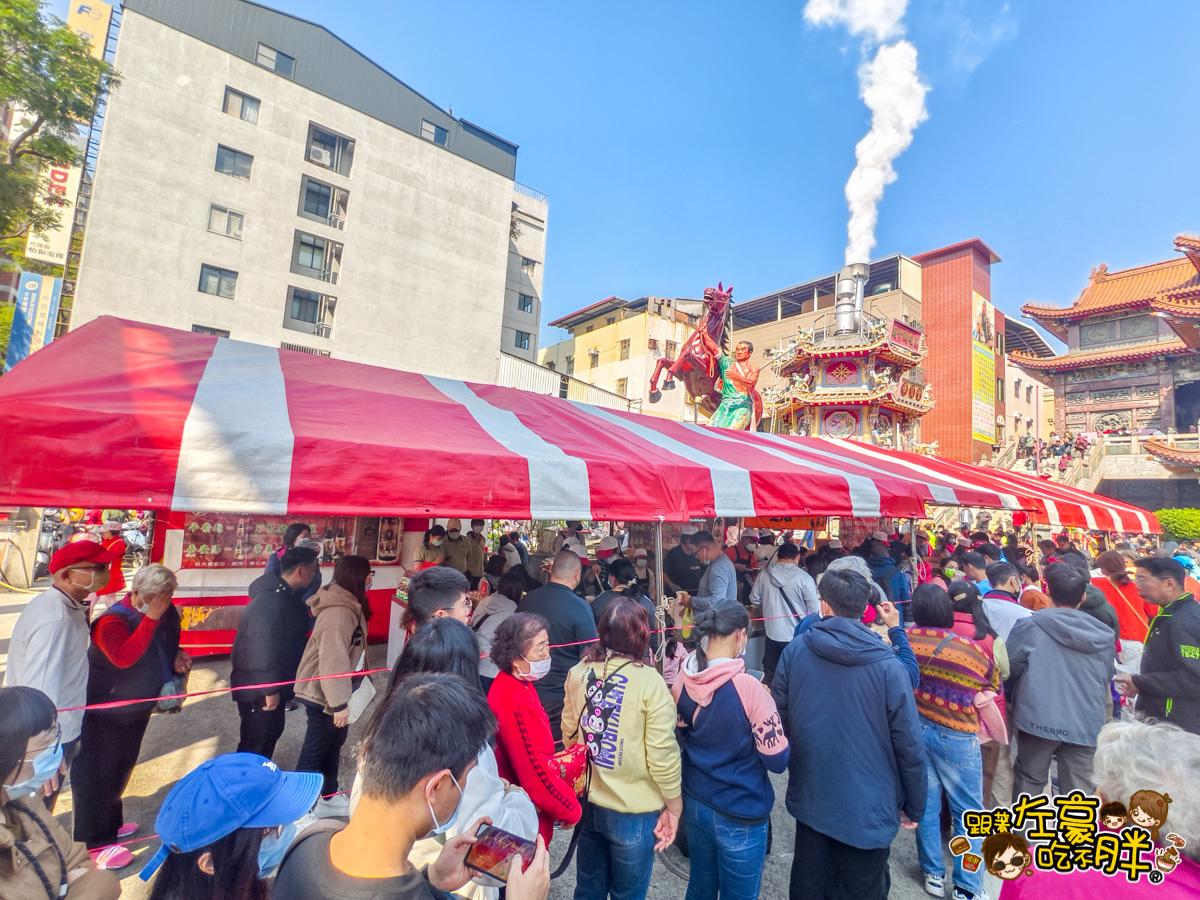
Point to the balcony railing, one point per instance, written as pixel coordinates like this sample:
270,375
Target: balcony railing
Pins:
529,192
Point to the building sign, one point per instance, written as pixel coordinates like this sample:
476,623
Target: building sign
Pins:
905,336
58,190
90,21
784,523
983,370
234,541
35,316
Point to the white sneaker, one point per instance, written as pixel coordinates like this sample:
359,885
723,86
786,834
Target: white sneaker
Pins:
935,885
960,894
337,806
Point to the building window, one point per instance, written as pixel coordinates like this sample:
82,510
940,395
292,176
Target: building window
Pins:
1029,394
316,257
221,282
241,105
624,347
570,365
270,58
522,341
586,330
215,332
524,303
225,221
434,133
329,150
652,343
309,312
323,203
593,358
999,390
550,366
623,386
527,265
672,349
233,162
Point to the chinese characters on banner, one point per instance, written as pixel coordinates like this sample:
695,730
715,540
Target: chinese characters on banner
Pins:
983,370
233,541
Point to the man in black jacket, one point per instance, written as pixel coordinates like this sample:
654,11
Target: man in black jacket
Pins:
1168,688
271,635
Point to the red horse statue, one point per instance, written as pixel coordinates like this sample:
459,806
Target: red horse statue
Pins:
702,362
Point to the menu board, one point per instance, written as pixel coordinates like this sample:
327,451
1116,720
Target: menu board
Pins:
641,534
233,541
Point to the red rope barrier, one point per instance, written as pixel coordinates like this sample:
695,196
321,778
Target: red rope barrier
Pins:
117,704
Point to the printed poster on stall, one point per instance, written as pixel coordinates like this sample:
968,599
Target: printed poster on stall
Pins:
234,541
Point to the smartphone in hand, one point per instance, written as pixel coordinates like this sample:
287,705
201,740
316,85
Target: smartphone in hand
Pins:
494,850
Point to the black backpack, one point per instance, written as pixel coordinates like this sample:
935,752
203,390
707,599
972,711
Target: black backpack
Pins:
884,582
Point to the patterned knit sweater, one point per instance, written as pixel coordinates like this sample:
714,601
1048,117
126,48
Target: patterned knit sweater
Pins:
951,678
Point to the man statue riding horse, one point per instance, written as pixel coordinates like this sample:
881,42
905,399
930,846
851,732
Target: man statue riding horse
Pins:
724,388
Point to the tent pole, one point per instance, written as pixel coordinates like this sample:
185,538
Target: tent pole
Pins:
661,606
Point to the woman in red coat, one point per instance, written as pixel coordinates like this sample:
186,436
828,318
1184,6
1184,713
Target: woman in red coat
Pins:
524,744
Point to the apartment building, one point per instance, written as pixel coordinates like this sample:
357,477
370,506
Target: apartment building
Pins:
616,344
260,179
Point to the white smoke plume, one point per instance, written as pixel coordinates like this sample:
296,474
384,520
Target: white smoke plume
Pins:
891,87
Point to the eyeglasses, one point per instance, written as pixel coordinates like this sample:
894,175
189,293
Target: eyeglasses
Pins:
53,745
465,604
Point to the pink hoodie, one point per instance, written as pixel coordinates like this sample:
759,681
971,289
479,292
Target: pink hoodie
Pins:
760,708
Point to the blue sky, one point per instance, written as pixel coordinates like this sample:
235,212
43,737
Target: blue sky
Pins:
686,143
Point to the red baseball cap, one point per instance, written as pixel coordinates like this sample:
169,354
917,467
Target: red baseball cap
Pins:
78,552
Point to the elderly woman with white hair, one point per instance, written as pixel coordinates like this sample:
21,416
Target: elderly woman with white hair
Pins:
1135,760
134,655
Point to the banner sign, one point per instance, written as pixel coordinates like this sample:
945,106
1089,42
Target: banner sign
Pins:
983,370
58,190
783,523
35,316
90,21
234,541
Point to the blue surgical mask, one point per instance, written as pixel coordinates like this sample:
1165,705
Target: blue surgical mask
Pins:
273,847
443,827
45,764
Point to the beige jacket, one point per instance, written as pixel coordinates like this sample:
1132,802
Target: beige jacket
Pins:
336,645
19,879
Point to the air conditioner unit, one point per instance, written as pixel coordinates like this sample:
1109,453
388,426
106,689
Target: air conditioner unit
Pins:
320,155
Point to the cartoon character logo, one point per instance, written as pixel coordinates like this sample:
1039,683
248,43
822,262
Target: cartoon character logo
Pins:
1006,855
1113,815
595,715
1148,809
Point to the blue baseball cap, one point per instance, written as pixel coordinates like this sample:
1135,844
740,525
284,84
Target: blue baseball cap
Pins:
232,791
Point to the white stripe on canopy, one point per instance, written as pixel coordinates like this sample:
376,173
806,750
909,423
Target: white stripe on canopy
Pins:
733,494
558,483
236,452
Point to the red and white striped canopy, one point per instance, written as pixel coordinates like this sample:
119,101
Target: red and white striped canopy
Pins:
1047,502
123,414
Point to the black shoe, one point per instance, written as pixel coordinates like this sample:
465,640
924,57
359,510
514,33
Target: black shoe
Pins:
292,706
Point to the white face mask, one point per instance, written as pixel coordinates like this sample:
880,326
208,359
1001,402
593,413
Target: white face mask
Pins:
537,669
92,584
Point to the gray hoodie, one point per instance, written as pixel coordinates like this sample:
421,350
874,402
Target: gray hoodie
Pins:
1062,661
786,594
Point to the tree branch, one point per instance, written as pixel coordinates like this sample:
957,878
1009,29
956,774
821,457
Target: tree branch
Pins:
15,146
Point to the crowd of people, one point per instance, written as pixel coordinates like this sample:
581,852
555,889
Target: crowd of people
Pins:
901,675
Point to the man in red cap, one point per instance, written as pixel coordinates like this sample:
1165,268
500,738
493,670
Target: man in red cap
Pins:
49,644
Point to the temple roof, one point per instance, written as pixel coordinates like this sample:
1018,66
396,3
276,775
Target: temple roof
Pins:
1172,456
1127,289
1101,357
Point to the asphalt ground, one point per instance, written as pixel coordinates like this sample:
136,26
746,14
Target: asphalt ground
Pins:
177,743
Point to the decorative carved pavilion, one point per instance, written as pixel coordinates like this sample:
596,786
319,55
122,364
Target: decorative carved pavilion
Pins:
1132,359
866,384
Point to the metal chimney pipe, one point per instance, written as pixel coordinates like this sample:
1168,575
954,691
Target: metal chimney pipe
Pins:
851,285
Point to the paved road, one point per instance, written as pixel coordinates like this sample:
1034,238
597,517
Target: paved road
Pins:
175,744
